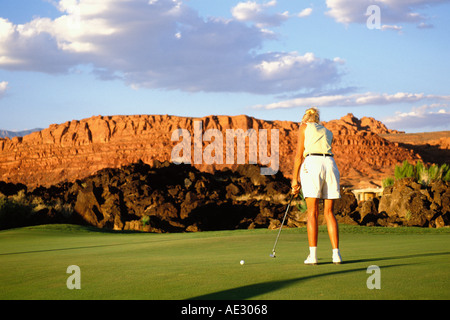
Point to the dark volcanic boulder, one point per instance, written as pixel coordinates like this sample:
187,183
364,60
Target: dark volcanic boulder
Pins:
166,197
9,189
171,198
346,204
412,204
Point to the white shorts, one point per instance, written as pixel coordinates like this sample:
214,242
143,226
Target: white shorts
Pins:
319,177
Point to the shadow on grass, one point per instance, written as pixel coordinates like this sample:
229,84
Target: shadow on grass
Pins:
63,249
253,290
399,257
63,227
88,229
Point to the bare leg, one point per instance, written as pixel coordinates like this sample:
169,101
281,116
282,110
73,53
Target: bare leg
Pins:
332,225
312,224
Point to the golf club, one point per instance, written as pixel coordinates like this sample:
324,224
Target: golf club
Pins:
272,255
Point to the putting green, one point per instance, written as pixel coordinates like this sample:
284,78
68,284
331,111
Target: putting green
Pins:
414,264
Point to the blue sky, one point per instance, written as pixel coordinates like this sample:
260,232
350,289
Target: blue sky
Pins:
73,59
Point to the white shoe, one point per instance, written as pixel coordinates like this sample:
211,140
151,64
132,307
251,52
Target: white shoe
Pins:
311,261
337,258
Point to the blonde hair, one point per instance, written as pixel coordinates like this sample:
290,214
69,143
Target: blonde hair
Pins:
311,115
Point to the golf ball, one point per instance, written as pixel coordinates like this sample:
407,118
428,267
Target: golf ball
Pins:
242,262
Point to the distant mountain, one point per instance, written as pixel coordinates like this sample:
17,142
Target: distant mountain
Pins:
79,148
12,134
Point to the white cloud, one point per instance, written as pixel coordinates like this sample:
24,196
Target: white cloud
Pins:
424,25
358,99
305,13
3,88
391,27
259,14
291,71
393,12
163,44
434,116
256,12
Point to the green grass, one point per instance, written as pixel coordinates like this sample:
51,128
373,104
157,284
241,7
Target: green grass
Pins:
414,264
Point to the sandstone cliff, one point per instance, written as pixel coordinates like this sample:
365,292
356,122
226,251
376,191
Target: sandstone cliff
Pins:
79,148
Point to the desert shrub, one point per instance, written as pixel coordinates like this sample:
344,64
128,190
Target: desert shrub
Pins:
22,209
419,172
388,182
302,205
446,174
439,173
433,172
145,220
406,170
13,213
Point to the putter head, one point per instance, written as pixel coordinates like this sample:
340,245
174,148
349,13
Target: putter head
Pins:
272,255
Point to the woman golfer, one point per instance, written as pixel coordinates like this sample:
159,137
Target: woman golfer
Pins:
319,177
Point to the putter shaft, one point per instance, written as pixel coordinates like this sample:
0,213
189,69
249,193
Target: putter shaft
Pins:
282,223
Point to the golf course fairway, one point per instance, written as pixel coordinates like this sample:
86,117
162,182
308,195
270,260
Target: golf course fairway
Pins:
413,263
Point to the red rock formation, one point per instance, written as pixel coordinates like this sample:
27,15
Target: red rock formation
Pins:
433,147
77,149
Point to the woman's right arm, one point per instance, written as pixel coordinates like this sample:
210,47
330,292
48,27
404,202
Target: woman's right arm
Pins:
298,159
